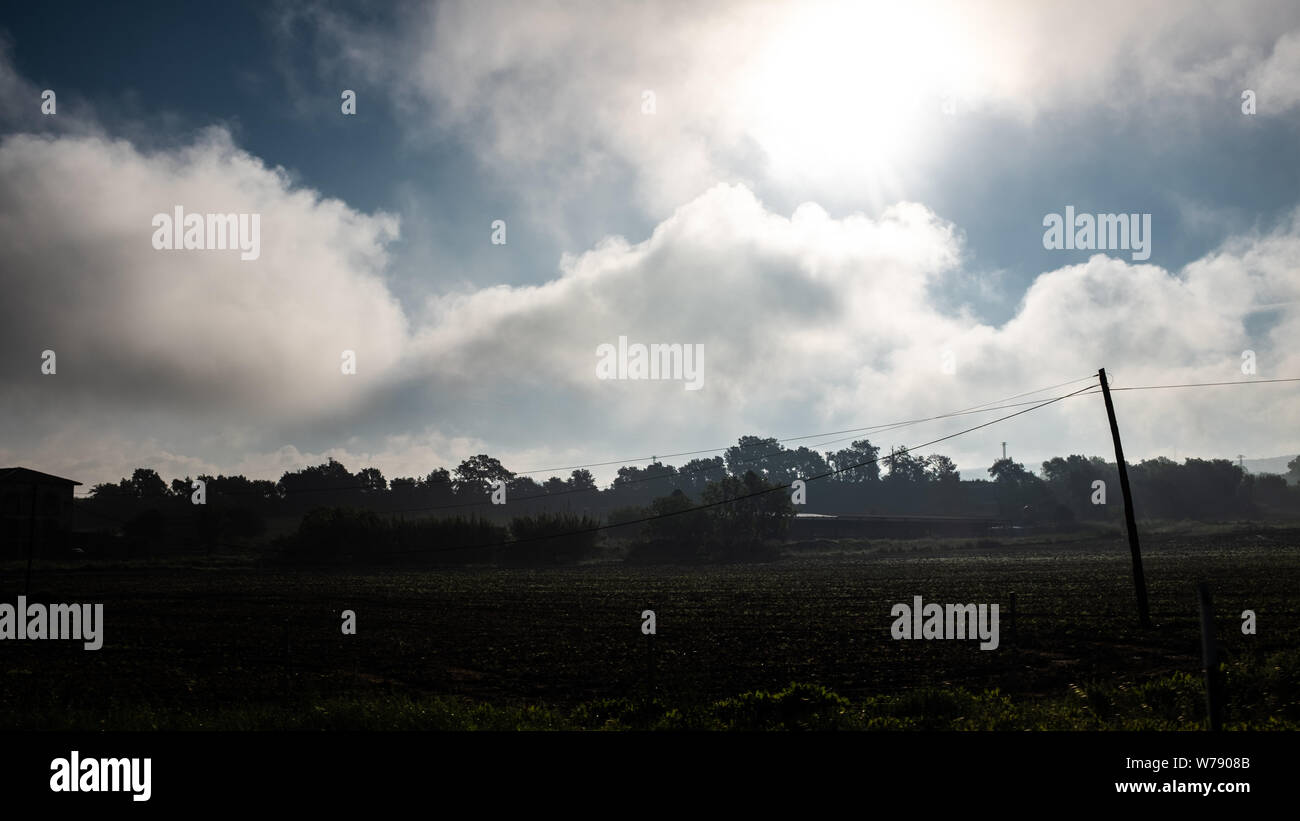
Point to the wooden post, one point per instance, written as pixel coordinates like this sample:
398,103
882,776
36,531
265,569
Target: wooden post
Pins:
1013,617
1210,658
650,663
1139,579
649,655
31,542
288,667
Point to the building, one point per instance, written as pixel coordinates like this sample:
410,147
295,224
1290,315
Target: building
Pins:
851,526
35,512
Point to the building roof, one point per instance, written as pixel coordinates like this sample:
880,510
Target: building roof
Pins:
893,518
27,476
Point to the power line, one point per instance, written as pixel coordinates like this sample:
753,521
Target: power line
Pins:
872,428
879,428
747,460
1084,391
812,435
1205,384
710,505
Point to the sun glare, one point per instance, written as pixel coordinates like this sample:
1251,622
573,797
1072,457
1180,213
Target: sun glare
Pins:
845,92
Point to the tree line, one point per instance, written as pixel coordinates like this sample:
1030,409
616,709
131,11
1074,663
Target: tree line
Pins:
856,479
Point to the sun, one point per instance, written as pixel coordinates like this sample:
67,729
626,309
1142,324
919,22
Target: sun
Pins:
849,92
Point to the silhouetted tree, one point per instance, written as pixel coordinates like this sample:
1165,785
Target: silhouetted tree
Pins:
438,477
696,474
581,479
762,455
748,517
475,475
861,453
942,469
145,483
906,468
371,480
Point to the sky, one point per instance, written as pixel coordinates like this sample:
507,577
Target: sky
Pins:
842,205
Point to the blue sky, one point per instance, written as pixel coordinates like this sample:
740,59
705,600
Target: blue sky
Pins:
829,197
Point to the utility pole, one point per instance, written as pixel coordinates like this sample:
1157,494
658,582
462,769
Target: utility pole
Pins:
1004,450
1139,580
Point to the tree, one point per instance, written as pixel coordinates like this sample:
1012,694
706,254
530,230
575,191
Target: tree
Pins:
800,463
1269,489
147,484
108,490
582,479
403,487
475,475
1006,472
746,514
371,480
675,524
1293,471
525,487
1071,481
756,453
907,468
655,478
330,476
438,477
942,469
1021,494
861,454
696,474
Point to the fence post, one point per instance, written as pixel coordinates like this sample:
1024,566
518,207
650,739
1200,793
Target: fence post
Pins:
650,664
31,543
288,672
1210,658
1014,635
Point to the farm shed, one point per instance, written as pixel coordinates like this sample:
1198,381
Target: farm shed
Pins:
34,507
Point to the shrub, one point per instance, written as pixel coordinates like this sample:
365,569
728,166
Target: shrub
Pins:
548,539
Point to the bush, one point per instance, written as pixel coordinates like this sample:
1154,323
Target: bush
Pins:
797,707
343,534
338,534
619,515
548,539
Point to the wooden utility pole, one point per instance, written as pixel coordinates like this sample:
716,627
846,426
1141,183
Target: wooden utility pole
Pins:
1139,580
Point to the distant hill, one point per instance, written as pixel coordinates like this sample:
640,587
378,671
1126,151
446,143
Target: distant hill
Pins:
1275,464
1272,464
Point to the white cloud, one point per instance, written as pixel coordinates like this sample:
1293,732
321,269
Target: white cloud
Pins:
200,332
825,96
818,323
198,361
